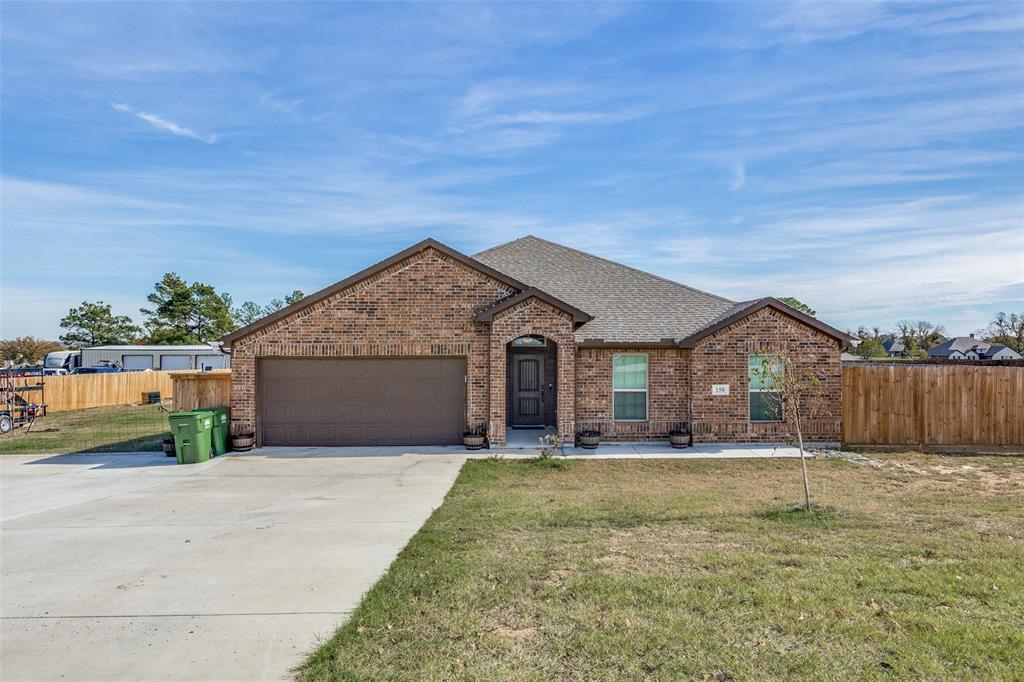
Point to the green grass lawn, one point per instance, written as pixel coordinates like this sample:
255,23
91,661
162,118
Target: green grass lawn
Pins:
700,569
101,429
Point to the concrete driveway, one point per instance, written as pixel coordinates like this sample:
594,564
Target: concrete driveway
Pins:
127,567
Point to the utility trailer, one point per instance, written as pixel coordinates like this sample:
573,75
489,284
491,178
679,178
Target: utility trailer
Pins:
15,408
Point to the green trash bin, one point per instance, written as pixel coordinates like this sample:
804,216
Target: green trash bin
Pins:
192,433
221,427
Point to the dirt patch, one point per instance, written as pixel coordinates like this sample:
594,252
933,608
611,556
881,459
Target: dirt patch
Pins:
557,577
941,472
671,547
513,633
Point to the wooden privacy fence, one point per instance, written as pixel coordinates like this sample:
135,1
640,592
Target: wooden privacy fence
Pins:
933,405
193,390
81,391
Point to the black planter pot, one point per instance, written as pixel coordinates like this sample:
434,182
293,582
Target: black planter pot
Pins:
168,444
679,439
590,439
473,442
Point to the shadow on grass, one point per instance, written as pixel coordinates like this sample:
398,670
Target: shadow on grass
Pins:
797,515
146,443
548,463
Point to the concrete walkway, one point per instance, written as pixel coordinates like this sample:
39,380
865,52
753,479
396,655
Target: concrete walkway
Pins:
125,567
523,449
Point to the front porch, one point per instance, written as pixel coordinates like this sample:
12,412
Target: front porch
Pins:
532,373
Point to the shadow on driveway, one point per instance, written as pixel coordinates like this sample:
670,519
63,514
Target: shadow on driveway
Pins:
110,460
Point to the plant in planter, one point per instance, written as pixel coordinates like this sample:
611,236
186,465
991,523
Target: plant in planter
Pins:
475,436
679,439
590,439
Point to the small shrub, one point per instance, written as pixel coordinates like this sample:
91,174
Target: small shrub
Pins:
550,444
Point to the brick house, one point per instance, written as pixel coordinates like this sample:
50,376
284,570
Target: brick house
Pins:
528,334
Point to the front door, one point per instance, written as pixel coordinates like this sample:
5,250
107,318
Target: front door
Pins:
528,389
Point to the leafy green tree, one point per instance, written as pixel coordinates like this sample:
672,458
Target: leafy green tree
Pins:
247,313
185,313
276,303
870,345
26,350
1007,330
799,305
95,324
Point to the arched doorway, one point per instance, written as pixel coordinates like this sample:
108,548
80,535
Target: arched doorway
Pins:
532,383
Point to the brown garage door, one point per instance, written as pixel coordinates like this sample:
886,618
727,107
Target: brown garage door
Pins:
361,401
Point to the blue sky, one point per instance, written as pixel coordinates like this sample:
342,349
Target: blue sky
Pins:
863,157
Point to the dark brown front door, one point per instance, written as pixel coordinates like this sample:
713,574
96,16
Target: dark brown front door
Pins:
528,389
361,401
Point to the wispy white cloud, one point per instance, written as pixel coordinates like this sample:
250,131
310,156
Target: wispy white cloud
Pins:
542,117
272,100
739,176
161,123
806,21
880,183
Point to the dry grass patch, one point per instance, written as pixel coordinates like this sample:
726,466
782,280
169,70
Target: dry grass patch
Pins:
703,569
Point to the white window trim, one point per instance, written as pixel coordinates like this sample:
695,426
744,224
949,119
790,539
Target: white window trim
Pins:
782,408
645,391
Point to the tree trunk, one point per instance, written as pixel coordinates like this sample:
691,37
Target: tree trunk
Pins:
803,465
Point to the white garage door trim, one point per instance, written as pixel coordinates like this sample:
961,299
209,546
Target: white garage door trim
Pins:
137,362
215,361
170,362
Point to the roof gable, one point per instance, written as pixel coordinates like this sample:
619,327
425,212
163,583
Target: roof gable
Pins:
748,308
487,314
369,272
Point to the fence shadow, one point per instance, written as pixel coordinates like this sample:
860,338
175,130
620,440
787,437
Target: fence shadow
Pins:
109,460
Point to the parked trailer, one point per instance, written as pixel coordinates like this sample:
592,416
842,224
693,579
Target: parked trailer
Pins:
15,407
140,358
65,360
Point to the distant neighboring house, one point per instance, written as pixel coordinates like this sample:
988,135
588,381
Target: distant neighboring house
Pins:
970,348
998,351
894,348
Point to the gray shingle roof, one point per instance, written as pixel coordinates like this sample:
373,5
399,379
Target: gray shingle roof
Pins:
628,305
964,344
893,345
959,343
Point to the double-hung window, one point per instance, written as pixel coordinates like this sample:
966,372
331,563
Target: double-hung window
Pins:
629,387
764,378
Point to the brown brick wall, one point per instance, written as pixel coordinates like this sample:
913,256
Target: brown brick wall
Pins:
532,316
668,385
423,305
722,359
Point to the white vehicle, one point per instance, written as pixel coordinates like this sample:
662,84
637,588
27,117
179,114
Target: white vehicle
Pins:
65,360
